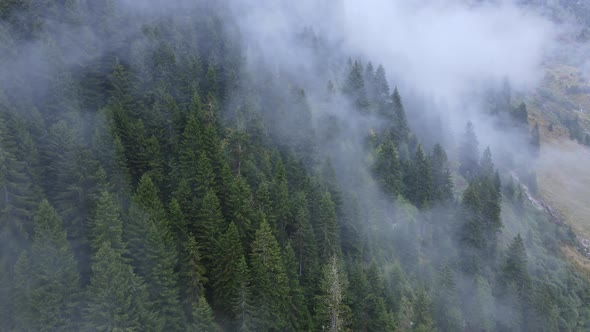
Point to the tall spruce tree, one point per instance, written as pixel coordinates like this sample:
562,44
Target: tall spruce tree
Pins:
47,281
469,153
271,285
442,183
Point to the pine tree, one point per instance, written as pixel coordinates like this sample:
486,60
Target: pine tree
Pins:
224,274
154,253
469,153
354,88
521,115
269,279
243,304
107,226
387,169
381,86
202,317
210,226
486,164
536,139
447,314
280,198
304,245
422,309
160,277
442,183
515,267
326,228
399,122
191,144
405,315
380,319
419,186
471,233
298,315
116,298
332,312
48,284
191,275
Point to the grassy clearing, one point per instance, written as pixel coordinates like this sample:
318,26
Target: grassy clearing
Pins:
564,182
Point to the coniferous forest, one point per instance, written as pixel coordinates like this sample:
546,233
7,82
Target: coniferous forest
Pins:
157,174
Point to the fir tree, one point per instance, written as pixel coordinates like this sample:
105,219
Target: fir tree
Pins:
354,88
48,284
399,122
269,279
536,139
226,284
387,169
419,186
202,317
521,115
116,298
107,225
447,312
469,153
442,183
243,304
326,228
192,275
332,312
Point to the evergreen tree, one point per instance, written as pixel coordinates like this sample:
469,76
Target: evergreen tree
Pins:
469,153
298,315
116,298
202,317
399,126
422,308
47,280
154,253
332,312
354,88
107,225
192,275
442,183
304,245
521,115
326,228
387,169
381,86
447,314
471,234
419,186
269,279
536,139
243,304
225,271
210,226
487,164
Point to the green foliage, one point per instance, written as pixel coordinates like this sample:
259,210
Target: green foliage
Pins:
185,170
332,313
469,153
355,89
387,169
47,280
271,285
202,317
116,298
442,183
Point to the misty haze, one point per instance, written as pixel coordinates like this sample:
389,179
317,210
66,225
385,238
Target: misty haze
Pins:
311,165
